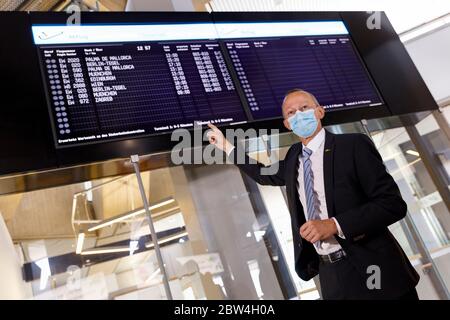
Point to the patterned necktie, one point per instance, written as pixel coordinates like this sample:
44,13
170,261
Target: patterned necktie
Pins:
310,195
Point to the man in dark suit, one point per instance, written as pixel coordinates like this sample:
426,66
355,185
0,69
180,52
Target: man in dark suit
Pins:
341,200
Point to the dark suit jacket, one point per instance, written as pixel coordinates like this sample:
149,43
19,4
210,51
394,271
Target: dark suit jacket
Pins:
363,198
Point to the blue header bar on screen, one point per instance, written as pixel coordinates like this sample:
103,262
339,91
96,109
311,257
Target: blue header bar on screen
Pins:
70,34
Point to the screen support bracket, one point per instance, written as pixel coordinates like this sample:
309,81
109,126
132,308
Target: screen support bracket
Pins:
135,161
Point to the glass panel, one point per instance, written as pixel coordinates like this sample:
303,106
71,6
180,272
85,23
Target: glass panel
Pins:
218,239
92,240
425,206
231,225
436,210
426,209
275,202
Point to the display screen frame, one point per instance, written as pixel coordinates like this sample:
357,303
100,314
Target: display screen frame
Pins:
26,131
401,86
333,117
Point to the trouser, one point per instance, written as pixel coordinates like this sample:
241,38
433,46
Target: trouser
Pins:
341,281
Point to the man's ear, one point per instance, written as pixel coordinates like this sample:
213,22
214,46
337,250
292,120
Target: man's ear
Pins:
320,112
287,124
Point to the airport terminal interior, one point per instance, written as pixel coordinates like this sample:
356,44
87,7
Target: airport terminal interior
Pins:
81,231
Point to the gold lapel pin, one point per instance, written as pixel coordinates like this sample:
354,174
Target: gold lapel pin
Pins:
327,150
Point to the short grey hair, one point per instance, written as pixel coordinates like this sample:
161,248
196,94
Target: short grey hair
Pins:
304,92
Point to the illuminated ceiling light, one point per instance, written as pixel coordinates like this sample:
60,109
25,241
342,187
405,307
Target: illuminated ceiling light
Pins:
425,28
80,242
167,211
116,220
86,221
129,215
127,248
413,152
177,236
105,250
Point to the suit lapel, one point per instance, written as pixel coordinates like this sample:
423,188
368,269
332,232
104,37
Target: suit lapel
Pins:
292,168
328,174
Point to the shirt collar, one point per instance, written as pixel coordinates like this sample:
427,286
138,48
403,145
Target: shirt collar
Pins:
315,143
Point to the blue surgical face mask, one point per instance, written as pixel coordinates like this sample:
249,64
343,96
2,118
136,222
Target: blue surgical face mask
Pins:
303,124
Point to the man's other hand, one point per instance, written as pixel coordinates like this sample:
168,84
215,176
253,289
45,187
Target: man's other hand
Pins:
216,137
315,230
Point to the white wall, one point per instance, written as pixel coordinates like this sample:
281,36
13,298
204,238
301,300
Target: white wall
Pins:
149,5
431,55
159,5
12,285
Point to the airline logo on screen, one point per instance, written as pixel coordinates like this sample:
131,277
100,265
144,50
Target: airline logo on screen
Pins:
73,34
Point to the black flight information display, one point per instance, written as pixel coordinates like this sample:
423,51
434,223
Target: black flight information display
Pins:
325,66
108,82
